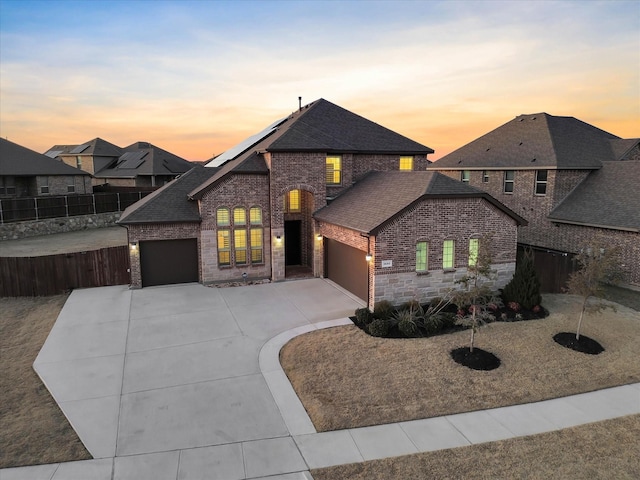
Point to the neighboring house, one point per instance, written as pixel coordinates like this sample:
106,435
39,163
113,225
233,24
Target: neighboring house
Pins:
138,165
26,173
262,212
570,180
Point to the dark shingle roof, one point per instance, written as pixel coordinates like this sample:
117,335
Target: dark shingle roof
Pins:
319,126
622,146
326,127
608,198
381,196
16,160
169,204
96,147
535,140
147,160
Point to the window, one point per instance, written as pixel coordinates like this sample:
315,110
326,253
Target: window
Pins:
240,245
255,216
422,250
78,162
509,179
485,176
447,254
292,201
44,185
222,217
71,186
406,163
239,216
7,186
224,247
474,243
334,170
464,176
541,182
255,240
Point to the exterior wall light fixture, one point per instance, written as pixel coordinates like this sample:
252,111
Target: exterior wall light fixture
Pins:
134,245
319,236
278,238
368,257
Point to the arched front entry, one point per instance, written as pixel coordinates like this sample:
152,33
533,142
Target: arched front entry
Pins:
299,235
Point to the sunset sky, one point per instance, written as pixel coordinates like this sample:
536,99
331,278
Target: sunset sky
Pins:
196,77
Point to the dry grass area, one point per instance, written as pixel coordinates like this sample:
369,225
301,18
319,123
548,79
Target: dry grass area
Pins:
347,379
34,430
602,450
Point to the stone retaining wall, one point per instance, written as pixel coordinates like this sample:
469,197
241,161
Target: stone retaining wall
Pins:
33,228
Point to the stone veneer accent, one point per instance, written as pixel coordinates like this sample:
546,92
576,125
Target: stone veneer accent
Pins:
48,226
399,288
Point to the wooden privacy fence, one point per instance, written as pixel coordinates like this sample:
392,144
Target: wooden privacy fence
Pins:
55,274
553,269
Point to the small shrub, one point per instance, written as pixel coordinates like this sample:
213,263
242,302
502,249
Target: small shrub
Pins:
411,305
409,328
524,287
379,327
515,306
382,309
363,316
433,323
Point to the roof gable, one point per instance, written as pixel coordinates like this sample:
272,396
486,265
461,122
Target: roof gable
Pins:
380,197
170,203
535,140
143,158
16,160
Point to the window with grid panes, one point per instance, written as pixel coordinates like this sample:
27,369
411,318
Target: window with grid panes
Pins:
448,249
422,252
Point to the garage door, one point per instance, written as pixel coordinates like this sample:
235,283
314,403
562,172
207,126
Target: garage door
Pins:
347,267
164,262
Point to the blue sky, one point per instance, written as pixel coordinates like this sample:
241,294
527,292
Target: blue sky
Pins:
196,77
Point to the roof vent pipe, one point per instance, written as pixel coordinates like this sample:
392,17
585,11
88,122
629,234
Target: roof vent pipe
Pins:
299,104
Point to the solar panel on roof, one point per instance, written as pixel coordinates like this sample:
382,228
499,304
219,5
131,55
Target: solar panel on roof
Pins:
243,146
80,148
53,153
131,159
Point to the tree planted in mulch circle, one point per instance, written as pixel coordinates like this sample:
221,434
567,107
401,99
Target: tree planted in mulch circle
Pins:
476,302
598,265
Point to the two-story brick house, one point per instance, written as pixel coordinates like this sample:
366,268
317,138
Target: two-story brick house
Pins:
571,181
258,211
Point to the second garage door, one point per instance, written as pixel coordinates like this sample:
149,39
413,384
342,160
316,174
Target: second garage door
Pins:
347,267
164,262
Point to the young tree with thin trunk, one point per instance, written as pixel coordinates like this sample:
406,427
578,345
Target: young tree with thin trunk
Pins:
598,265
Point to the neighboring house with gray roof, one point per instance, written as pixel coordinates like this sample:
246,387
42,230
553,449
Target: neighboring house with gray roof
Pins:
570,180
304,197
138,165
26,173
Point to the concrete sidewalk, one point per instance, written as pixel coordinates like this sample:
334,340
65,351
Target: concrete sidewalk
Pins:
184,382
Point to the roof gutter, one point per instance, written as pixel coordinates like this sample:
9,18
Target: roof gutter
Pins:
594,225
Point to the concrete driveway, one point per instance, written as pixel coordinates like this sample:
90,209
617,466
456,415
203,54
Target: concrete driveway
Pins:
172,369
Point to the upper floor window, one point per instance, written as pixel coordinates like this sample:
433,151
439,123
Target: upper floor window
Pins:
78,162
474,244
292,201
422,252
448,249
71,186
334,170
485,176
7,186
406,163
541,182
222,217
239,216
509,180
465,175
255,216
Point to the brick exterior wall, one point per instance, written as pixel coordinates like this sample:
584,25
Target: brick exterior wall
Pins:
244,191
159,231
58,184
543,233
432,221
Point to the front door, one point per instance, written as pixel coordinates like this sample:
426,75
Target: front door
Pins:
292,242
